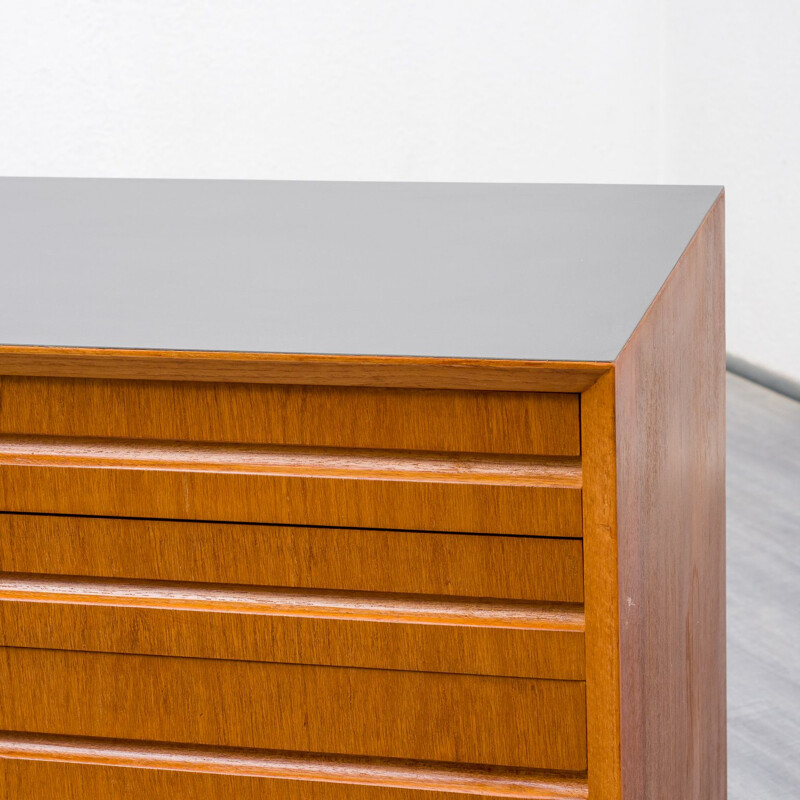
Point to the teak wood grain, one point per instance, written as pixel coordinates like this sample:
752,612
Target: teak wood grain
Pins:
511,423
88,768
318,370
670,399
309,487
411,715
448,564
278,601
386,631
598,426
559,472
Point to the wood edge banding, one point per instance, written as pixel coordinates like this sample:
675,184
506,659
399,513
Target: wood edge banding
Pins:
316,603
395,773
556,472
600,554
321,370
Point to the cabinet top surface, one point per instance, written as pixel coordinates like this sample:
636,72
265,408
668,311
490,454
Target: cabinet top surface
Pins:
485,271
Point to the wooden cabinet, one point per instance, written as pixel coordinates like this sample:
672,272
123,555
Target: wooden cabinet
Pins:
428,506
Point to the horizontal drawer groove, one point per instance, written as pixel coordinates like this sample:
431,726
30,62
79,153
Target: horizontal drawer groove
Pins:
367,606
558,472
397,773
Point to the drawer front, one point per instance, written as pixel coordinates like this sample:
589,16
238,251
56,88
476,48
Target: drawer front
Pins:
512,423
416,459
451,564
97,621
311,596
301,571
376,713
311,486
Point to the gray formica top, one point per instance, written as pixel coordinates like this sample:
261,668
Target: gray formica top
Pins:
509,271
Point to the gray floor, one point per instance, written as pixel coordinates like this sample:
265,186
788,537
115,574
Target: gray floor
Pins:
763,593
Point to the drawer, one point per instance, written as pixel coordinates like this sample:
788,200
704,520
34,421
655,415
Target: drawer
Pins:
298,708
510,567
520,495
417,459
375,599
511,423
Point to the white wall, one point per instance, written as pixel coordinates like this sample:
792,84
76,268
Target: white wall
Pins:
519,90
732,115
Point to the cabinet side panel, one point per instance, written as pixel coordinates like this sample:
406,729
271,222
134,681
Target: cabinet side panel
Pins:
670,385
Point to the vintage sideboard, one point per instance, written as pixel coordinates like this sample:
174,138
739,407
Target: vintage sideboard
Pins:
357,490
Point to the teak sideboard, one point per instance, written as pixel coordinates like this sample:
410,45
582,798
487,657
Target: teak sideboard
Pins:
337,491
